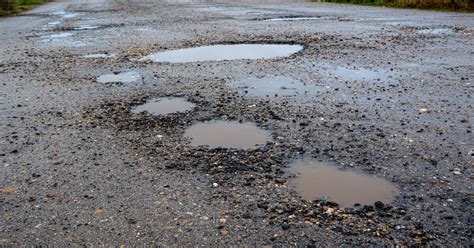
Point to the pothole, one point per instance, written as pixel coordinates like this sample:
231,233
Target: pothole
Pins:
294,18
163,106
121,77
60,35
66,15
316,180
225,52
99,56
276,86
85,27
436,31
227,134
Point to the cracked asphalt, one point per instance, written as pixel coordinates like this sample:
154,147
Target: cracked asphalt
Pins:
78,168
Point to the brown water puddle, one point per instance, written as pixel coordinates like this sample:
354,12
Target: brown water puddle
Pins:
163,106
227,134
316,180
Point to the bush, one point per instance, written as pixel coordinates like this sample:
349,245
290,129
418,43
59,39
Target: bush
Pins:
13,6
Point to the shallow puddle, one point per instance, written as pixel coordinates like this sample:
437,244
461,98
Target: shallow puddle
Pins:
123,77
316,180
275,86
163,106
99,55
227,134
436,31
60,35
85,27
66,15
53,23
361,74
301,18
225,52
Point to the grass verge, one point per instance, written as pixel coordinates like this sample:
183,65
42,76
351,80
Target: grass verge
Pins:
8,7
443,5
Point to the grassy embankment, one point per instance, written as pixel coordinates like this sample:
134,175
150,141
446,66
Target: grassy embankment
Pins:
457,5
8,7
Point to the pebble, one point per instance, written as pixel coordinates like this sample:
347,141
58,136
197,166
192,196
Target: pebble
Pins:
424,110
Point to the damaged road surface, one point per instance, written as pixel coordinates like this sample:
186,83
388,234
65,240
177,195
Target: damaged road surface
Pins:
179,123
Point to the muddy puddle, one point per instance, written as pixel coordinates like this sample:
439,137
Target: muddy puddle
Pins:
120,78
276,86
227,134
99,56
361,74
225,52
163,106
320,180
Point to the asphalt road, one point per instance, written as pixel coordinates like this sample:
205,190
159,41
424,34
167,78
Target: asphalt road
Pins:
79,168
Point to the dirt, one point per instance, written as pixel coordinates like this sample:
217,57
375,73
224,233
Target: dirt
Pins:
79,168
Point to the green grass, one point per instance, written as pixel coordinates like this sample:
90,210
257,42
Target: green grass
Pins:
452,5
8,7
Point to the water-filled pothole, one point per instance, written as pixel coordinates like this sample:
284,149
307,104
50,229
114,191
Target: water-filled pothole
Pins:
294,18
361,74
315,180
66,15
60,35
436,31
225,52
227,134
163,106
123,77
276,86
99,56
85,27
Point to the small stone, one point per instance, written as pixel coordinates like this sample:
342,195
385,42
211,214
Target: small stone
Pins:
224,232
285,226
330,210
9,190
56,162
76,238
215,185
99,212
222,221
424,110
379,205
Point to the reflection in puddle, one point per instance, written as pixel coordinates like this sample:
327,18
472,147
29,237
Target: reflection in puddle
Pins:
123,77
53,23
436,31
163,106
60,35
65,15
227,134
276,86
360,74
99,55
316,179
85,27
225,52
